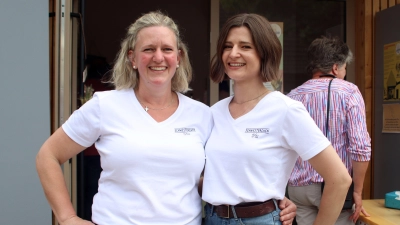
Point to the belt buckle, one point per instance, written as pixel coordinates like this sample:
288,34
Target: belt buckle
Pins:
227,217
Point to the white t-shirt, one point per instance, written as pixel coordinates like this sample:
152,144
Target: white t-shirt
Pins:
250,159
150,170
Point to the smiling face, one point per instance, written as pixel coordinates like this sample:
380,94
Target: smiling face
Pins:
155,56
240,57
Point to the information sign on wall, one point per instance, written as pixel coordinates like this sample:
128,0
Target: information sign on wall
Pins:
391,71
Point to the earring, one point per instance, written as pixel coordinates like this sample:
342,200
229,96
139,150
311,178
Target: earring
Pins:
134,67
177,66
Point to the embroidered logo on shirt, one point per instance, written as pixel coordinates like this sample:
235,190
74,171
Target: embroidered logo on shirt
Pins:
257,131
185,130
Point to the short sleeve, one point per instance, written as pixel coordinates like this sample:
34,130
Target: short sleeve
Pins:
301,134
83,126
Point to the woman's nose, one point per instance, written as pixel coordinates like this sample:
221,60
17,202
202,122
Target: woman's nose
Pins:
158,56
234,52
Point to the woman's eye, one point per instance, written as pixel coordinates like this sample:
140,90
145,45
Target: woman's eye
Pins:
227,46
246,46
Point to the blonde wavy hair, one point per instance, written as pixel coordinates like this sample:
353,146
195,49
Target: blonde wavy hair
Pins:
125,77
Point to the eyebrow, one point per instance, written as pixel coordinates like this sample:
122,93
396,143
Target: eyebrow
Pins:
153,46
240,42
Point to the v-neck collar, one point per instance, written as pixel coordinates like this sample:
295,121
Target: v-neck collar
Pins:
150,119
244,116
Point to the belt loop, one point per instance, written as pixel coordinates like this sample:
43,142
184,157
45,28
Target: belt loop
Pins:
276,204
212,210
234,212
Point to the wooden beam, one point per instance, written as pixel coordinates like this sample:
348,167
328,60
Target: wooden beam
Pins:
364,70
384,4
375,9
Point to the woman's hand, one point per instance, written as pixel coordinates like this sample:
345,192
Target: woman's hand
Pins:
288,211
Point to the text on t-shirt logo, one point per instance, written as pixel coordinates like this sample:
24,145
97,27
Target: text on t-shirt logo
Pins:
256,131
185,130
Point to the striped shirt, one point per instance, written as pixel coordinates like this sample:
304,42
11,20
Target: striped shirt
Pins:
347,129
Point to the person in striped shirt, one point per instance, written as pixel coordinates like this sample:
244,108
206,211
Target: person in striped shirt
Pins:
347,128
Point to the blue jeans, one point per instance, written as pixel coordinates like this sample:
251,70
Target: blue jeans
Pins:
267,219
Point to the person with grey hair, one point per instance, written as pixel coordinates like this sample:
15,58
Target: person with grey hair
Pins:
149,135
346,128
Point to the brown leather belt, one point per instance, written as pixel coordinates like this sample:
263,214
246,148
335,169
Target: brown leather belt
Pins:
245,210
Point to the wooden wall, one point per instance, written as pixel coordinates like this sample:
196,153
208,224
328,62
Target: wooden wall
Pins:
365,11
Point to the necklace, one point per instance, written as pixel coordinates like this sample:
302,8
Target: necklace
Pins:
250,99
146,108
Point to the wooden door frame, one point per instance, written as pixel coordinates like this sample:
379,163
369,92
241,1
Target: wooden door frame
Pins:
63,38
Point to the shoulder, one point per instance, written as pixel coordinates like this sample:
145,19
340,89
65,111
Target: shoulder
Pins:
194,104
307,87
285,107
113,100
293,92
221,104
283,100
347,90
112,93
344,85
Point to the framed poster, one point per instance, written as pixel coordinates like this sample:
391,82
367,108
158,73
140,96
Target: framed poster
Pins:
391,71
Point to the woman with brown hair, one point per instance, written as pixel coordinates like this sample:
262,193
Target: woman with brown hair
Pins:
259,134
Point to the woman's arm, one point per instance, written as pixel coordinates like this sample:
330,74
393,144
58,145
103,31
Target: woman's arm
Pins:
337,182
57,149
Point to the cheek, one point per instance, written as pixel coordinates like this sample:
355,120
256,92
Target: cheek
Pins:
224,57
172,59
143,59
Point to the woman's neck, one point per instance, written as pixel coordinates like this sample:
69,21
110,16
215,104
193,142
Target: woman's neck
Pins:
154,97
248,92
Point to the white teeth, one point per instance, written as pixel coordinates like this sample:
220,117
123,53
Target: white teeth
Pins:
159,68
237,64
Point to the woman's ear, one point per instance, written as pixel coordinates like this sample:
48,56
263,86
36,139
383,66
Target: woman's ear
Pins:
179,56
131,57
335,69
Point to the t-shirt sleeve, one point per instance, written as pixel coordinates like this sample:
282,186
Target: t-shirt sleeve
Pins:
83,126
301,134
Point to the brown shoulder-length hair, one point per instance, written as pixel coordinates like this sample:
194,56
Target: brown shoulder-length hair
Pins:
265,41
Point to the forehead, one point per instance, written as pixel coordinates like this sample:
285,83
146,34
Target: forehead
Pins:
239,34
156,35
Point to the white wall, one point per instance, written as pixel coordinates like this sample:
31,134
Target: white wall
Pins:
24,109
